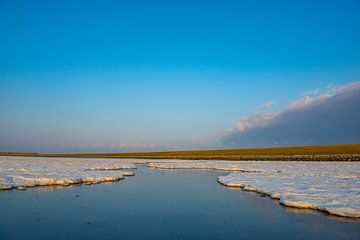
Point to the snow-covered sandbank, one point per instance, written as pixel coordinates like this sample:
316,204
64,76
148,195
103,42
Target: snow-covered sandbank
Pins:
333,187
24,172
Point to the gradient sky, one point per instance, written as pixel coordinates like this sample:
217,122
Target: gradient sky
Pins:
95,76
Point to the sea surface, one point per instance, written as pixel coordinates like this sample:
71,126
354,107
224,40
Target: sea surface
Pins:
161,204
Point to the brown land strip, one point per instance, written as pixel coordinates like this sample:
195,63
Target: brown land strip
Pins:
348,152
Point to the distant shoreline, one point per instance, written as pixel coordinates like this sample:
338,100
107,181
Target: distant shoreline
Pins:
345,152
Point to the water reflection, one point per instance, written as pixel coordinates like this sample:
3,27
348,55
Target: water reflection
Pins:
159,204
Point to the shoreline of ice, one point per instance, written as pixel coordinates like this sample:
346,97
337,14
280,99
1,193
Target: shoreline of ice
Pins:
21,173
332,187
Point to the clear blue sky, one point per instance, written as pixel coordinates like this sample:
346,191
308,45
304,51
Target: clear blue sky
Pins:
83,75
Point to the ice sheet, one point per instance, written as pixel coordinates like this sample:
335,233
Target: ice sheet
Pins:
23,172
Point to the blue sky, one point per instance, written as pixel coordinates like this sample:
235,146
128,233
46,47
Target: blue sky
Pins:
134,75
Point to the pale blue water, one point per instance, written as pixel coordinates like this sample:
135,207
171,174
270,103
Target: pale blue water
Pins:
157,204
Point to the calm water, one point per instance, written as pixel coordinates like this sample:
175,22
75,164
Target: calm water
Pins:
157,204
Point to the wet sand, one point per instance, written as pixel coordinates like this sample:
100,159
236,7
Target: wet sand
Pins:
161,204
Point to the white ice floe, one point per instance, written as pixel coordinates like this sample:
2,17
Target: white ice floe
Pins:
113,168
231,166
333,187
23,172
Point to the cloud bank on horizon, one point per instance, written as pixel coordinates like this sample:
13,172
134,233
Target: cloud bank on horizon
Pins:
315,119
123,147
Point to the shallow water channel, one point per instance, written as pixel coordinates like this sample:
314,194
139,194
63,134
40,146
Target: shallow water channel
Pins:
161,204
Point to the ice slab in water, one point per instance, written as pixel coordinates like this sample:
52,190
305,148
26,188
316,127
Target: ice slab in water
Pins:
23,172
231,166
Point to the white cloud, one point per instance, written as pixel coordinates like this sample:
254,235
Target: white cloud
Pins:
258,119
124,147
311,92
136,145
329,118
121,145
266,105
